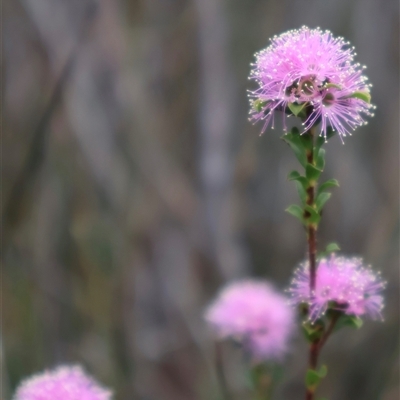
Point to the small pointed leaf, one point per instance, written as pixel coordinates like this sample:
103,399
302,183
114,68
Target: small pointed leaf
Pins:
296,144
301,190
312,173
293,176
327,185
314,217
323,371
332,247
312,379
320,159
296,211
296,108
362,95
348,320
322,199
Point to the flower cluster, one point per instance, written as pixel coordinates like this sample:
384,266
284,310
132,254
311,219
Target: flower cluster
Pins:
63,383
342,283
310,67
252,313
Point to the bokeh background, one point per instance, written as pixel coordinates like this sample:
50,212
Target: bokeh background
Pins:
134,187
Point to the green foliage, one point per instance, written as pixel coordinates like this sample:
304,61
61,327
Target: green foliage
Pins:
313,332
327,185
294,140
348,320
314,377
296,211
332,247
312,174
297,109
362,95
322,198
320,159
314,217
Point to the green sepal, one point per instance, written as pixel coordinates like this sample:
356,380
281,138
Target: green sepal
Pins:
296,211
322,198
296,143
348,320
312,173
327,185
320,159
296,108
314,216
362,95
313,332
332,247
313,377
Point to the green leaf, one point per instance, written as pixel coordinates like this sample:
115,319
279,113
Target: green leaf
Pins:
332,247
319,143
312,379
296,108
296,144
313,332
327,185
294,175
362,95
314,216
330,133
301,184
302,191
351,321
322,198
320,159
312,173
323,371
296,211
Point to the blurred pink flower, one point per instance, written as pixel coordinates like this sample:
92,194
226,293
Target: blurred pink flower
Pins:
63,383
254,314
310,66
355,289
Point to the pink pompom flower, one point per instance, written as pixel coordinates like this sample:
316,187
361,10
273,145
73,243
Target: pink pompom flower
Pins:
62,383
310,67
344,284
254,314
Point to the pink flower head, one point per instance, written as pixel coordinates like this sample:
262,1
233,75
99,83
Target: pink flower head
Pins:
310,67
342,283
254,314
63,383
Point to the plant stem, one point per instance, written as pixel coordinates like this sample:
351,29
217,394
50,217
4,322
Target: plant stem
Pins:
311,230
327,333
312,256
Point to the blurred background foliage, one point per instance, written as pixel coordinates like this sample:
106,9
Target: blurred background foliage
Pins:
134,186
